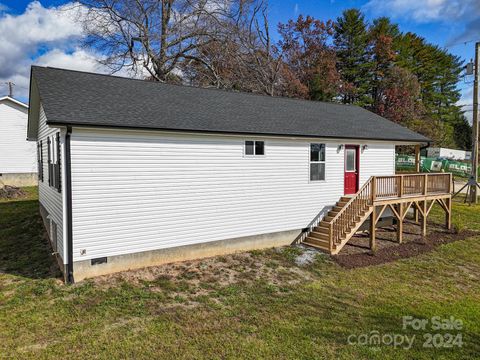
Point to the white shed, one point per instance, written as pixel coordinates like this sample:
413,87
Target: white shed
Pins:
136,173
18,162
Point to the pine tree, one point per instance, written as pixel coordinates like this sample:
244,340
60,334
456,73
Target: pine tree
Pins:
438,73
352,45
463,133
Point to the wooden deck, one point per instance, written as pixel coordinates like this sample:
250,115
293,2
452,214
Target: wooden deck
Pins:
399,193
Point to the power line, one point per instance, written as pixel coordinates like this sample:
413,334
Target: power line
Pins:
462,43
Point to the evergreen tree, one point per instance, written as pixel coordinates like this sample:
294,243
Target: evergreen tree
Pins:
351,40
463,134
438,73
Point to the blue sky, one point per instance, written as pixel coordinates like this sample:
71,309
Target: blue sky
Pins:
31,33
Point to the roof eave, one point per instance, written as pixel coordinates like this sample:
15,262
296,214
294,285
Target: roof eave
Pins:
33,110
108,126
15,101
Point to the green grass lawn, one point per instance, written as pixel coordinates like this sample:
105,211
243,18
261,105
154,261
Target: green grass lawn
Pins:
298,312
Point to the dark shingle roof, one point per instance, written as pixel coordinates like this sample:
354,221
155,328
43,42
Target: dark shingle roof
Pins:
78,98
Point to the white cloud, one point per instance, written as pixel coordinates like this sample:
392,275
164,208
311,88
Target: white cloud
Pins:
43,36
296,9
466,102
79,59
425,10
471,32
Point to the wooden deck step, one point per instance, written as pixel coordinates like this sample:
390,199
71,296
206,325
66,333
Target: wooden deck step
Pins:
320,236
322,229
317,243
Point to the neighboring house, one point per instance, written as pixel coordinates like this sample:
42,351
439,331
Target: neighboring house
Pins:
18,157
137,173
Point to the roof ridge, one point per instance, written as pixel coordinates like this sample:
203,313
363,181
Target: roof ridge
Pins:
203,88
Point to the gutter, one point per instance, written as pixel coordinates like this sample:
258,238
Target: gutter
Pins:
425,146
233,132
68,204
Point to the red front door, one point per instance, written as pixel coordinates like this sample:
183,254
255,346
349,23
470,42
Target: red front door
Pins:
351,169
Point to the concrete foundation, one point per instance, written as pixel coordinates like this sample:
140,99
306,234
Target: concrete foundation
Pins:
19,179
85,269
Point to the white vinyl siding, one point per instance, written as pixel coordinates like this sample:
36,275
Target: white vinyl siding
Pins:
48,196
378,159
135,191
18,156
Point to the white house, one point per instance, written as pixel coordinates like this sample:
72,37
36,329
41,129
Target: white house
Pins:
136,173
18,162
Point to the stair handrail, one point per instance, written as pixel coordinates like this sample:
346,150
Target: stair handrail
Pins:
367,184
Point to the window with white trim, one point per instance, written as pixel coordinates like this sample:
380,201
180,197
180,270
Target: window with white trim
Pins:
254,148
40,160
317,162
54,175
350,160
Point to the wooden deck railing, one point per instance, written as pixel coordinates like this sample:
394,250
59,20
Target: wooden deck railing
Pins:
379,188
404,185
350,212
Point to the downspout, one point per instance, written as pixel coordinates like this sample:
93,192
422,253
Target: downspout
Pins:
418,160
425,146
68,191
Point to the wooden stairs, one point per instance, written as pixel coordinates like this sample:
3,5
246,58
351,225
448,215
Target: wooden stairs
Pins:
319,237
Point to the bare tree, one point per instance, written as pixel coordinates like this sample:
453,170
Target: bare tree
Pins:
220,43
246,58
155,36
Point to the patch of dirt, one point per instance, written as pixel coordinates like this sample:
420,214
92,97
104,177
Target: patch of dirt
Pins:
184,282
11,192
357,253
307,257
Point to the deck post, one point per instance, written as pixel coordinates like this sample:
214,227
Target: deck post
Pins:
417,170
417,158
373,217
448,213
400,223
400,187
424,218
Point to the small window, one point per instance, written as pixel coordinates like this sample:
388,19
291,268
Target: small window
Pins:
351,160
254,148
317,162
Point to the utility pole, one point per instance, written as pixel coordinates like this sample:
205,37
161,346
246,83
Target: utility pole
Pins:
472,185
10,88
473,189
